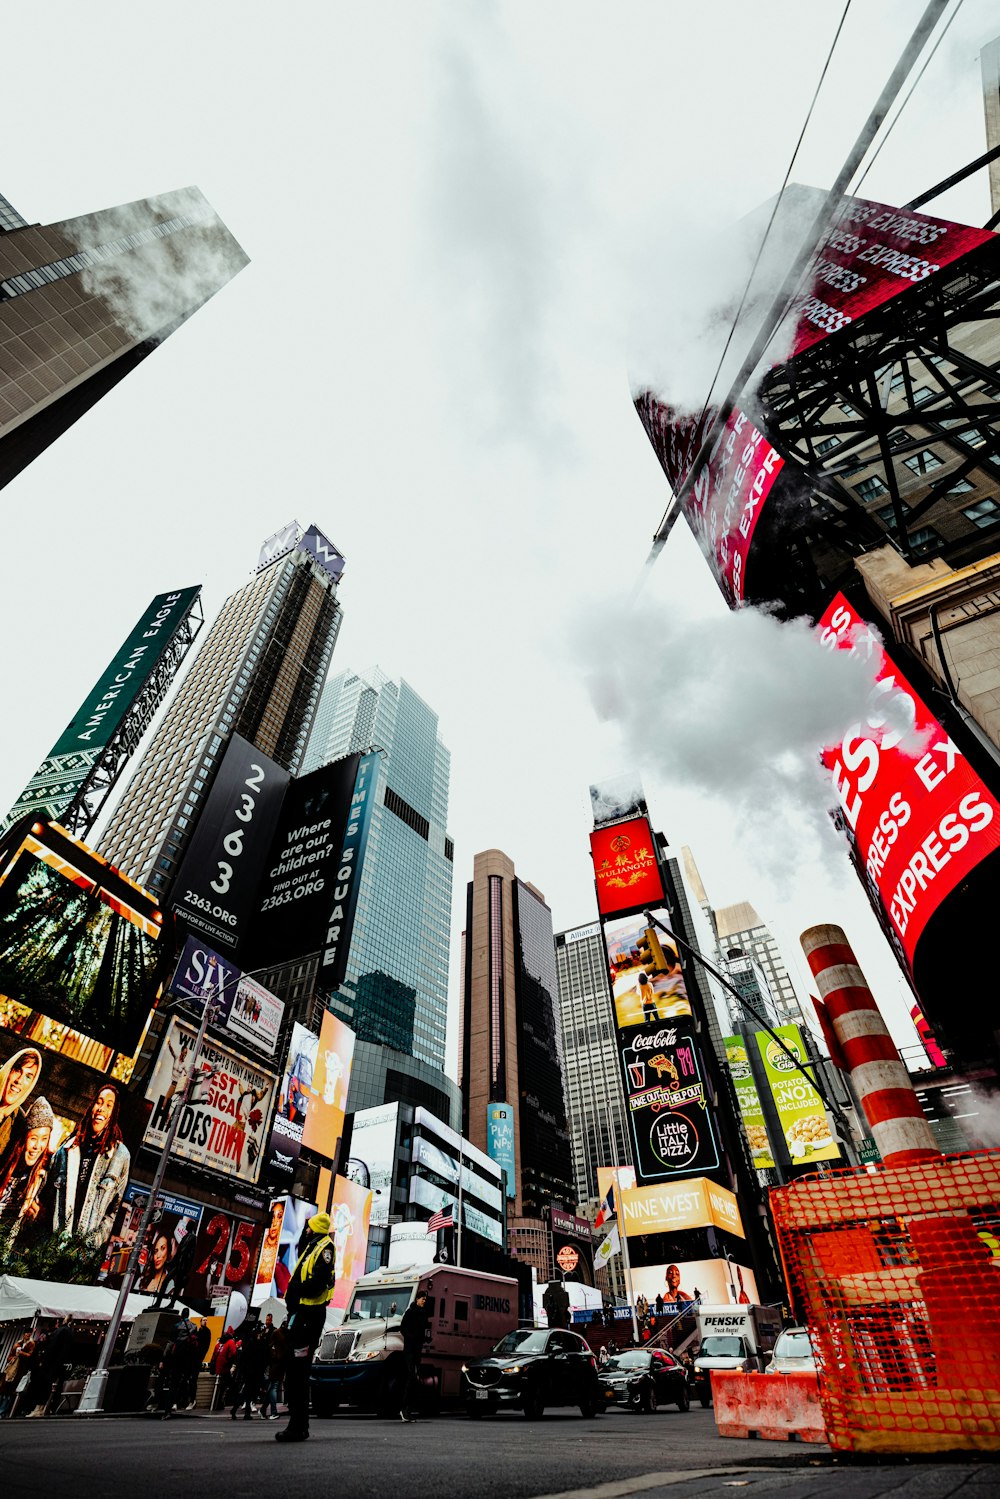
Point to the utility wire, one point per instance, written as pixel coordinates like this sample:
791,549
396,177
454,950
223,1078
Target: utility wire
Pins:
827,213
895,119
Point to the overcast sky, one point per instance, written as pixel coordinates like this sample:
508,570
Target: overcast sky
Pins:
470,227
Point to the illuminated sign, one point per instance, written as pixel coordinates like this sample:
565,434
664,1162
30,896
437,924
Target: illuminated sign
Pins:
696,1203
625,867
567,1259
919,814
800,1108
500,1143
641,993
748,1099
672,1130
344,895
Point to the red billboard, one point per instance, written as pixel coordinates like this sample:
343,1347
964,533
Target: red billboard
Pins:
625,867
920,815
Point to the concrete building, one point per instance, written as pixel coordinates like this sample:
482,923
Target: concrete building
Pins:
85,300
745,943
258,673
395,993
595,1102
510,1047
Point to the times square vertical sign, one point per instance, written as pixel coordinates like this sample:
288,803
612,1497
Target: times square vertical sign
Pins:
670,1120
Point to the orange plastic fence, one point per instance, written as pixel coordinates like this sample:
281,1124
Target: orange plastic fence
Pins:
897,1275
776,1407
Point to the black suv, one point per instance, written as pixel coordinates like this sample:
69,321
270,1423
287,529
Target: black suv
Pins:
531,1369
644,1379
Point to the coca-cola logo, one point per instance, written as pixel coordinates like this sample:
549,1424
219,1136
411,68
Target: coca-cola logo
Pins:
659,1038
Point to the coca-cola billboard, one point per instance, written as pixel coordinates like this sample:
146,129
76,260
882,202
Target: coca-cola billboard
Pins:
922,819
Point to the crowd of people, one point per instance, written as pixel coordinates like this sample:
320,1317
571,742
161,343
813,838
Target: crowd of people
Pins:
34,1371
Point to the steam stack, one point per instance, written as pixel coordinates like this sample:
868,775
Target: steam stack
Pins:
882,1083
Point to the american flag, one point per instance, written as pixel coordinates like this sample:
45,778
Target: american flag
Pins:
443,1218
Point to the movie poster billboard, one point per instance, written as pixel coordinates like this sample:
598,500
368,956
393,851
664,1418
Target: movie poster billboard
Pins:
748,1101
668,1108
256,1014
294,1221
80,748
373,1157
500,1143
326,1100
285,1140
79,941
222,1127
166,1257
800,1108
269,1252
716,1282
225,1256
57,1116
625,867
920,816
216,886
640,993
297,892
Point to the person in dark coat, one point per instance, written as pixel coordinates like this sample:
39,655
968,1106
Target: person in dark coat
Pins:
307,1296
251,1370
413,1326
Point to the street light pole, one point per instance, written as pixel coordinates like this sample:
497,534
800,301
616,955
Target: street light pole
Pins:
92,1399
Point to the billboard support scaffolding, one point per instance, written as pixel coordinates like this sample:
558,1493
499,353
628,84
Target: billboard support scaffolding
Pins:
92,1398
811,1077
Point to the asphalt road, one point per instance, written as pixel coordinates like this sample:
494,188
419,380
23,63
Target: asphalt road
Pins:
353,1457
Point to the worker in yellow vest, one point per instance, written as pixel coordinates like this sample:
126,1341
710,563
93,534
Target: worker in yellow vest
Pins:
306,1298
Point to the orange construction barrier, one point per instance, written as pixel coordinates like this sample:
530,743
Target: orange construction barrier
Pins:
775,1407
896,1274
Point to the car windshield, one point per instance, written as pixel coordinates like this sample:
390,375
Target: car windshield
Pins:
379,1301
636,1360
793,1345
525,1340
722,1348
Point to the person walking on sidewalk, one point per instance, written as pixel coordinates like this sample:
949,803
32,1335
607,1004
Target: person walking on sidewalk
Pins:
306,1296
413,1326
251,1368
277,1363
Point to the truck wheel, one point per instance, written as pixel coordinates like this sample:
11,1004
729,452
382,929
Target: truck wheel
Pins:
473,1411
588,1408
650,1401
533,1407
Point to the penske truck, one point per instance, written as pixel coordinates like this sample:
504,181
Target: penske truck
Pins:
732,1337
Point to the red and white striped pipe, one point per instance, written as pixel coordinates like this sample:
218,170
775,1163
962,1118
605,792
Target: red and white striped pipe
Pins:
880,1080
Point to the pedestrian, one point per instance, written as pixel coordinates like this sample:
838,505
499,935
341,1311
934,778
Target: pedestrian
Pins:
275,1373
251,1369
52,1357
179,1357
15,1372
223,1366
307,1295
413,1326
660,1304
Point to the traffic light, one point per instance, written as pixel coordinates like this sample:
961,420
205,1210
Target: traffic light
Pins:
651,954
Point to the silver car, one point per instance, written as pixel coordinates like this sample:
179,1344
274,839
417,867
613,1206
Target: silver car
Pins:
792,1353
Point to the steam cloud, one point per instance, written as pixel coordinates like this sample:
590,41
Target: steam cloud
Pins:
736,707
148,289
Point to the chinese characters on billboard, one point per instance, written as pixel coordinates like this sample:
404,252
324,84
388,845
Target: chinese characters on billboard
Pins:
625,867
920,816
222,1126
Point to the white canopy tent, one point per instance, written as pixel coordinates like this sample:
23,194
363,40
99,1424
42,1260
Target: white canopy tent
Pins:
22,1300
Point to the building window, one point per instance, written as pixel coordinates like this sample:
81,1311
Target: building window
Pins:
983,512
923,462
924,539
826,444
960,486
871,488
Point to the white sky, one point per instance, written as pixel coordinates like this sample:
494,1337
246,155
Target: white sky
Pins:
461,219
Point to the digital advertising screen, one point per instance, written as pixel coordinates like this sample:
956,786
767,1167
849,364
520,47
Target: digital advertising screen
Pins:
350,1216
166,1257
716,1282
223,1126
669,1115
226,1252
500,1142
800,1108
674,1207
373,1157
79,941
922,819
748,1100
326,1100
625,868
641,994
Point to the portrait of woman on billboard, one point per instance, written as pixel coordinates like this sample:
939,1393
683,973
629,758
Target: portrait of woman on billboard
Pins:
17,1078
23,1169
90,1171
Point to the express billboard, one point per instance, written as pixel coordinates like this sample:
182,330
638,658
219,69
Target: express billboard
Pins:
79,941
81,745
625,867
800,1108
222,1126
920,816
668,1106
217,882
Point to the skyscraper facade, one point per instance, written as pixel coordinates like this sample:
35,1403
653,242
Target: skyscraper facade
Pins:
742,936
510,1049
258,674
83,301
595,1102
395,992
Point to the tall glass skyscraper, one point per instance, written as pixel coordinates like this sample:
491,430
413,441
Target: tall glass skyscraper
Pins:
395,994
